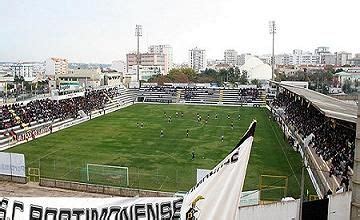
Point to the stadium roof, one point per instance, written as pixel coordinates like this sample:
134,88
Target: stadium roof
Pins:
331,107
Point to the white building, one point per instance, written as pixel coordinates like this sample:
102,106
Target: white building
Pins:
56,66
321,56
145,72
150,64
298,57
352,77
325,55
119,66
167,51
256,69
355,61
321,50
328,59
28,70
241,59
342,58
113,78
308,58
5,78
266,58
230,57
218,64
80,78
197,59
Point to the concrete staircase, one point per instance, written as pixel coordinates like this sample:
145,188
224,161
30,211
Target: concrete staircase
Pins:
178,95
221,95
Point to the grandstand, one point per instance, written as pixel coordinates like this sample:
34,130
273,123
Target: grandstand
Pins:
324,129
245,96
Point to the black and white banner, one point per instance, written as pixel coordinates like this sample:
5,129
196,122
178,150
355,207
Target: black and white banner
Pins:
61,208
215,197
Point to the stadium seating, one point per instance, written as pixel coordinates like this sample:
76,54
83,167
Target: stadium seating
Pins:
242,96
200,95
245,96
333,140
157,94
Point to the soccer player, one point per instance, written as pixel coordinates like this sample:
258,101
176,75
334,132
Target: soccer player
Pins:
187,132
232,125
206,121
216,116
239,116
208,116
137,124
182,114
161,133
142,124
177,114
228,116
169,119
193,155
222,138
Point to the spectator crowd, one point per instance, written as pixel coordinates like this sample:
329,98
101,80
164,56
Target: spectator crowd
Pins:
43,110
333,140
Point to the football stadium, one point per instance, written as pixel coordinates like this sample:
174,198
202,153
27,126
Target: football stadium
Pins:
179,110
150,146
163,140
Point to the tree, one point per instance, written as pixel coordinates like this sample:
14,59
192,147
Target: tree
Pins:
244,78
339,70
18,80
189,72
319,80
256,82
223,75
357,83
347,86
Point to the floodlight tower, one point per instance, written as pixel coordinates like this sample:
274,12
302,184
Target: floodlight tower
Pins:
138,34
272,30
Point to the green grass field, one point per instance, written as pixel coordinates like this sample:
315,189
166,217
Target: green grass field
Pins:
165,163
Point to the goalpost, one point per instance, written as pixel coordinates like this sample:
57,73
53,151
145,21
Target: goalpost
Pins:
106,174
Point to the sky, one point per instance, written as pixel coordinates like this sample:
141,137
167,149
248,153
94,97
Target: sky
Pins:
100,31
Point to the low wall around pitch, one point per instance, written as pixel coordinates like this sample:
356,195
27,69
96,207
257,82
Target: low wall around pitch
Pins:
279,211
339,207
15,179
101,189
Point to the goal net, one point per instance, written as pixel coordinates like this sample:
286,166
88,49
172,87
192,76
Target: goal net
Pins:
107,175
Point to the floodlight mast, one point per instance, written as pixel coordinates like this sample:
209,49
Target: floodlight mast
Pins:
138,34
272,30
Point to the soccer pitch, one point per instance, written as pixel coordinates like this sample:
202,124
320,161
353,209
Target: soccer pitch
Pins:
165,163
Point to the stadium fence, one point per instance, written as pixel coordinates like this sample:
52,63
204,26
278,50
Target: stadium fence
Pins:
170,179
72,174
